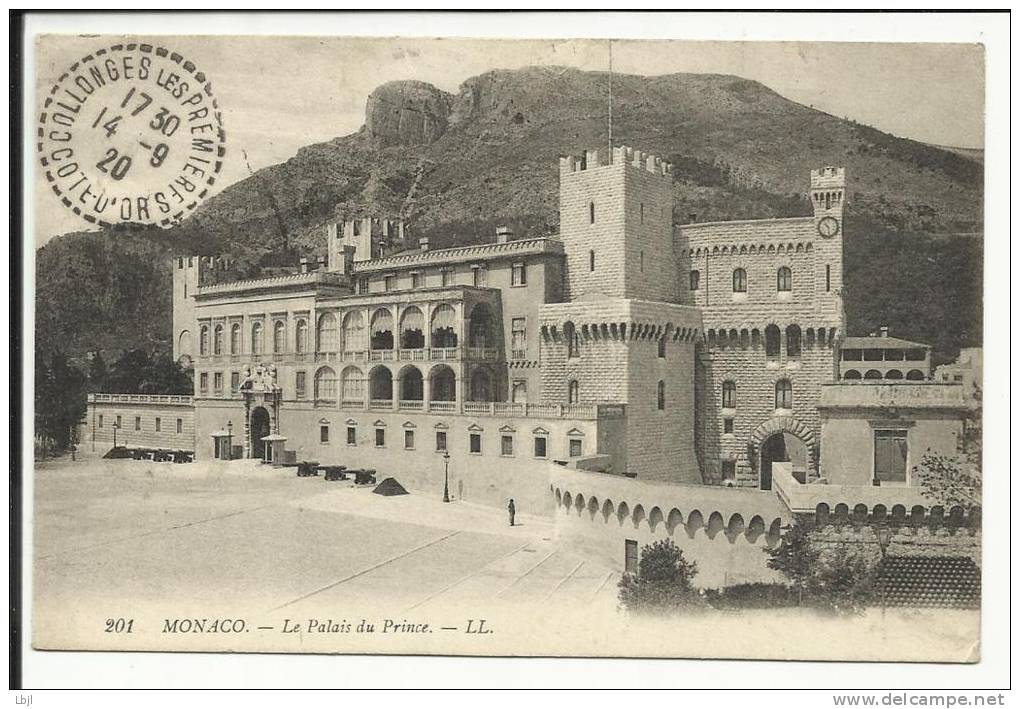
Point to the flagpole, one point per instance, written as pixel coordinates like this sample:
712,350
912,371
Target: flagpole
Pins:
610,100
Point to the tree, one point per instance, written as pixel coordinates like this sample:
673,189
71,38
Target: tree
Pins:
664,581
59,401
844,578
795,557
951,480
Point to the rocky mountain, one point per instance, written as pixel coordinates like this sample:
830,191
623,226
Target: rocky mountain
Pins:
454,166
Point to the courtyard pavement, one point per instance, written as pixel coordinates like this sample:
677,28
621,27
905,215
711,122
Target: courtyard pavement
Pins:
158,542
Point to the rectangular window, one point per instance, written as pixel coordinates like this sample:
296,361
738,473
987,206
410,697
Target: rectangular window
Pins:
478,275
203,382
118,421
138,423
218,381
506,445
416,280
576,447
446,277
352,436
299,385
323,433
828,278
389,283
159,424
518,337
362,285
380,437
891,456
729,469
727,425
630,556
475,443
540,446
409,440
180,426
695,280
440,440
519,275
235,382
100,420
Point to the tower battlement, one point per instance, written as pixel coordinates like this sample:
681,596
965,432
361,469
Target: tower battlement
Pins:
828,178
621,155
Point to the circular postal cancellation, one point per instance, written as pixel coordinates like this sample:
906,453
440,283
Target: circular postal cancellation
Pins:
131,133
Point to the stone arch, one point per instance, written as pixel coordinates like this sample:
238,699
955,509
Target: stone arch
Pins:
674,520
755,528
638,516
380,383
579,503
568,499
782,424
694,522
442,383
715,524
607,510
593,507
411,383
622,513
735,527
654,518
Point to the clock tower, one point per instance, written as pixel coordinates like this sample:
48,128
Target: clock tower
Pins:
828,197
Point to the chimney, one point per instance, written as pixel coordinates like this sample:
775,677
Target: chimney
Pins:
304,265
503,234
320,262
423,243
883,331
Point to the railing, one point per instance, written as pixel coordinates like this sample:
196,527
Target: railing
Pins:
140,399
381,355
354,356
444,353
380,404
411,404
350,405
483,353
518,354
443,407
325,403
416,355
802,498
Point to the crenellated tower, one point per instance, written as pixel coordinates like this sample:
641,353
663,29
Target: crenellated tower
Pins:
616,224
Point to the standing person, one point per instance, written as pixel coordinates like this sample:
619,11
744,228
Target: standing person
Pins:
512,510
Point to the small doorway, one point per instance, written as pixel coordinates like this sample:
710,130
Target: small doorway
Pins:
782,447
259,428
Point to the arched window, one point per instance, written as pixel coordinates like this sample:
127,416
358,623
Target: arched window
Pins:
444,326
279,337
301,336
695,280
203,340
235,338
793,341
772,342
218,340
353,332
662,395
729,395
591,260
852,374
739,281
591,212
662,348
894,374
784,394
784,280
325,333
352,383
873,374
381,337
256,338
325,385
573,340
915,375
573,392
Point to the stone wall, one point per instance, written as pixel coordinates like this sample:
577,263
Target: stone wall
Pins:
139,415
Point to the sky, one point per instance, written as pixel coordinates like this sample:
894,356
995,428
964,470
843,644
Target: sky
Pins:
280,94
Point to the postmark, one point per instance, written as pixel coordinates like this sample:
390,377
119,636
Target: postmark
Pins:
131,133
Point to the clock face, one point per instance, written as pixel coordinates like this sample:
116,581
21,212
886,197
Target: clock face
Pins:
828,226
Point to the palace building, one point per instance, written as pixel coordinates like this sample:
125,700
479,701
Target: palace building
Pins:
705,354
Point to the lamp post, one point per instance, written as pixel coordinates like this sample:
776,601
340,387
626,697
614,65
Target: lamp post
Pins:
446,476
230,440
115,427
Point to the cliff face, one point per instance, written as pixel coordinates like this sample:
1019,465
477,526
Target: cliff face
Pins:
407,113
454,166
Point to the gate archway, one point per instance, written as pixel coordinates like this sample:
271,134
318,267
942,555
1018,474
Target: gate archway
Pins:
780,438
